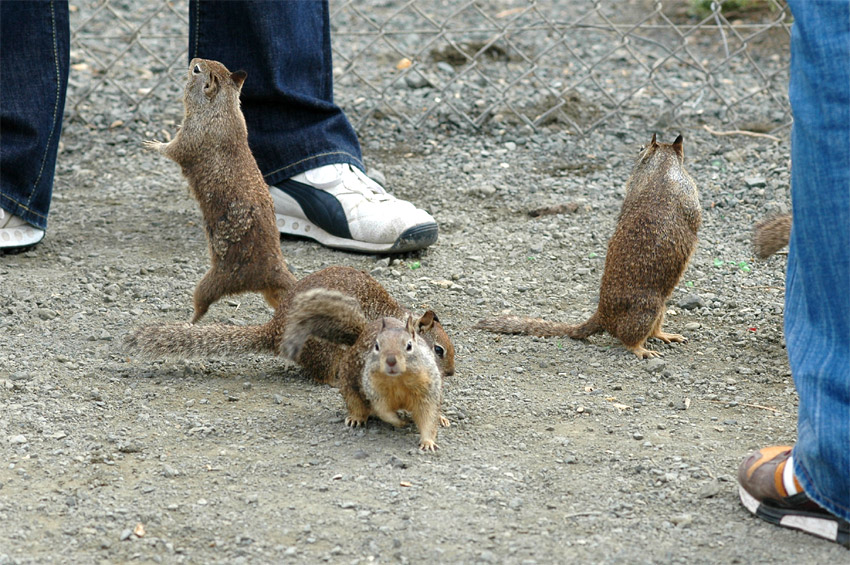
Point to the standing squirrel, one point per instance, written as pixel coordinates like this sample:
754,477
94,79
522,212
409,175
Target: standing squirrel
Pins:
319,357
771,235
212,150
655,237
388,366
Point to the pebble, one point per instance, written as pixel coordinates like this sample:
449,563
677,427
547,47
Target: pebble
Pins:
18,439
690,302
691,326
416,80
45,313
637,435
446,68
125,534
709,489
755,182
397,463
654,365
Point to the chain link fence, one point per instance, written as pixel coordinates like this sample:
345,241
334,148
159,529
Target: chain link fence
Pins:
478,63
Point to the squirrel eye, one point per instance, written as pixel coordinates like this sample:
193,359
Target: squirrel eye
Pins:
197,69
409,345
439,351
376,347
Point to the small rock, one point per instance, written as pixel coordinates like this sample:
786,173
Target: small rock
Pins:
691,326
18,439
278,399
682,520
690,302
360,454
45,313
169,472
637,435
415,81
654,365
755,182
125,534
709,489
129,447
446,68
397,463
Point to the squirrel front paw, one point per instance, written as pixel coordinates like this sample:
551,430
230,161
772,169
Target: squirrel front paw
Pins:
428,445
152,145
353,422
444,422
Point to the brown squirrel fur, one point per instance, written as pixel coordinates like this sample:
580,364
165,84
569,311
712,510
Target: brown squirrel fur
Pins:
387,367
212,150
771,235
655,237
319,357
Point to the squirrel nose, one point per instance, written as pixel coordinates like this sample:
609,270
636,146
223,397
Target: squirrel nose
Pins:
391,360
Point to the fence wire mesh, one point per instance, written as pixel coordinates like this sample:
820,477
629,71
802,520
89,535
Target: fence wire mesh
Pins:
474,63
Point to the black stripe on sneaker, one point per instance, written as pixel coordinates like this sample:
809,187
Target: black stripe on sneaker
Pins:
790,513
320,207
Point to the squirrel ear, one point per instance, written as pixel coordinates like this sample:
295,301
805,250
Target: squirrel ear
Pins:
410,326
238,77
652,141
426,322
678,147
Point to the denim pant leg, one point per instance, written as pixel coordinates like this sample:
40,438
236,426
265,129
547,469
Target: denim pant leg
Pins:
287,99
34,57
817,298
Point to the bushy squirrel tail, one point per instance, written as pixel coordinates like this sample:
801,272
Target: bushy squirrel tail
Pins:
771,235
321,313
538,327
190,340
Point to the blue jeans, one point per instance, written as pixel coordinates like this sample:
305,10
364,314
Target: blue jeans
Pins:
817,294
293,124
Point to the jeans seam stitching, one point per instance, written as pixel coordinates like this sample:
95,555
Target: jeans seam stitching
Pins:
55,104
24,206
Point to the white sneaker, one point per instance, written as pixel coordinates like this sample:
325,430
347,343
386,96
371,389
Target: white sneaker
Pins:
339,206
15,232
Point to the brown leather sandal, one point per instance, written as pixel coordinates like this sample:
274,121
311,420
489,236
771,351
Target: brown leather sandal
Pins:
763,493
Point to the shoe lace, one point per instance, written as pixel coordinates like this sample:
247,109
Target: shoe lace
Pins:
365,186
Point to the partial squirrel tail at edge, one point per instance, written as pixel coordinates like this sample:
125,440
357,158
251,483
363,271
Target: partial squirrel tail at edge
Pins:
321,313
186,340
538,327
771,235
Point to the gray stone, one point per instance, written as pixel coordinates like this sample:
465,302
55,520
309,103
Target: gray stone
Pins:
691,302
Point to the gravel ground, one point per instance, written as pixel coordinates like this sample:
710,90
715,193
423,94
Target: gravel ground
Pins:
560,451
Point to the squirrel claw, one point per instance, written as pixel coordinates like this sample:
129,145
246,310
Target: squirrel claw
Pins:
354,422
444,422
428,445
643,353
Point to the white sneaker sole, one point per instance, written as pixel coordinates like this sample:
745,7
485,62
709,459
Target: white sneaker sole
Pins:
19,237
413,238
